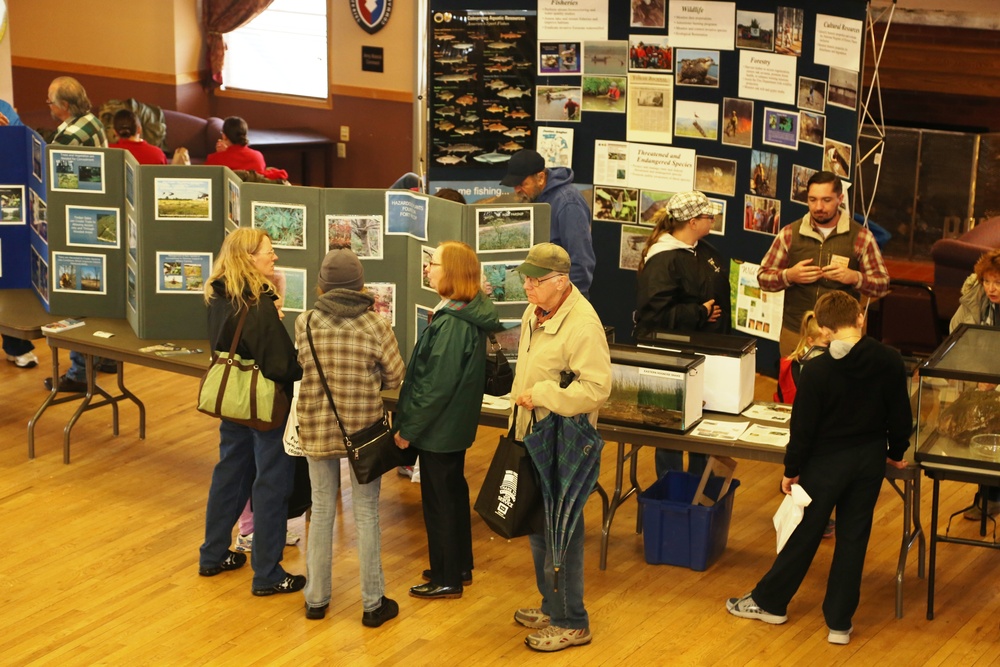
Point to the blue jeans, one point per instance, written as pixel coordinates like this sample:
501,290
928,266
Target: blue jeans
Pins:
565,606
668,459
77,370
324,474
242,451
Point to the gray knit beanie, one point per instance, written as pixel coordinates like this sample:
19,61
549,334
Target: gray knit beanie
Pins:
341,269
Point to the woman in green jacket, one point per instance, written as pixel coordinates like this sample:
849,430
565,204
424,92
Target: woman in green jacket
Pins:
438,413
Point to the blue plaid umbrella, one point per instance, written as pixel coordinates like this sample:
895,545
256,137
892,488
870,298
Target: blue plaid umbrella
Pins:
566,452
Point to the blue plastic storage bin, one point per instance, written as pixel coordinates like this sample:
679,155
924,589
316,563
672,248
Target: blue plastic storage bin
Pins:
676,532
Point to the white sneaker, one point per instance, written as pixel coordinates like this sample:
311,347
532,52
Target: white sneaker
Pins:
745,607
295,529
415,476
26,360
244,543
841,637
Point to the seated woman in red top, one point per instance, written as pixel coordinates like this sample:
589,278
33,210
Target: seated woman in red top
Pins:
130,138
231,149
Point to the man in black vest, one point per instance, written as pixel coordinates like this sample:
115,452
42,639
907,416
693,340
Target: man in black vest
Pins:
822,252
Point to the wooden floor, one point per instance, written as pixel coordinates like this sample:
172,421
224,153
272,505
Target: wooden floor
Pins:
99,567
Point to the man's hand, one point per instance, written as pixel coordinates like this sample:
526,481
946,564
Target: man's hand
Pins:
841,274
899,465
401,442
803,273
4,121
524,400
786,484
713,311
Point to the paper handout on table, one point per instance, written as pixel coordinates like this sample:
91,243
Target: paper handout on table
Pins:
769,412
766,435
789,514
719,430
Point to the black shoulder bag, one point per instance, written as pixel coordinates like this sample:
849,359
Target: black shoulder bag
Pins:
499,374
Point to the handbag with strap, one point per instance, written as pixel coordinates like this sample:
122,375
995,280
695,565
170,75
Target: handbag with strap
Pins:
499,374
236,390
510,500
291,437
372,451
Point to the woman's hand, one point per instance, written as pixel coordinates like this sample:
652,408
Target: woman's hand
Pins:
714,312
524,400
401,442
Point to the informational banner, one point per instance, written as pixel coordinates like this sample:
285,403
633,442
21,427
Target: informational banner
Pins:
664,168
838,42
705,25
579,19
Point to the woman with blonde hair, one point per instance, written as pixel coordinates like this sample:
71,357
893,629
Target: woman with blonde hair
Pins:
251,461
438,412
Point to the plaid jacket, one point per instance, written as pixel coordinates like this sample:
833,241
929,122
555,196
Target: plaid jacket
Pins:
359,357
85,130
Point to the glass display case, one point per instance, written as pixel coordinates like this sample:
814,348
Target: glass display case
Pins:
958,402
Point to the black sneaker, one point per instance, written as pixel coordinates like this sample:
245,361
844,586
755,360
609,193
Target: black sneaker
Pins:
68,385
386,611
232,561
290,584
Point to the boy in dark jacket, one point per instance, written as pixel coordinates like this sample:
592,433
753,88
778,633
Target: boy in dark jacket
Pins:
850,417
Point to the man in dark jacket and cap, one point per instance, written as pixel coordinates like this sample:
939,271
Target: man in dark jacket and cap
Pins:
570,221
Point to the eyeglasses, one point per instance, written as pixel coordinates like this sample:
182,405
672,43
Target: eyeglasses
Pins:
535,282
262,253
433,263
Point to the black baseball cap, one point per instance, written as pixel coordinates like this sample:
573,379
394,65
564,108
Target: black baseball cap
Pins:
524,163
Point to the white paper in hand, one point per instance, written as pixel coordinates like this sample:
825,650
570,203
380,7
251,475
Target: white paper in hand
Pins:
789,513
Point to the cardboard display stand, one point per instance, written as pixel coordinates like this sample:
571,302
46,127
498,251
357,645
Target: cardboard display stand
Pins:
23,227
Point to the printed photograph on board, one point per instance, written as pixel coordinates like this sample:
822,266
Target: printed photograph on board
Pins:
426,257
697,67
40,274
560,103
92,226
601,58
36,158
233,209
616,204
788,33
837,157
385,300
296,290
650,53
80,273
812,94
650,203
284,223
781,128
737,117
130,183
754,30
12,205
719,225
183,272
812,128
696,120
633,241
605,94
648,14
502,283
504,229
843,88
361,233
132,237
76,171
800,180
763,173
131,289
39,216
761,215
714,174
558,58
183,199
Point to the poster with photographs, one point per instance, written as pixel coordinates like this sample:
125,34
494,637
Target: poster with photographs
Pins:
130,183
559,103
754,30
719,225
296,289
837,158
284,223
36,158
426,257
80,273
39,216
761,215
648,14
715,174
788,32
93,227
800,183
812,128
633,241
233,211
555,144
605,94
132,237
696,120
423,316
131,289
616,204
385,300
360,233
406,214
603,58
75,171
843,88
504,229
182,272
763,173
502,283
183,199
737,122
697,67
652,202
757,312
558,58
40,274
812,94
12,205
650,53
781,128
